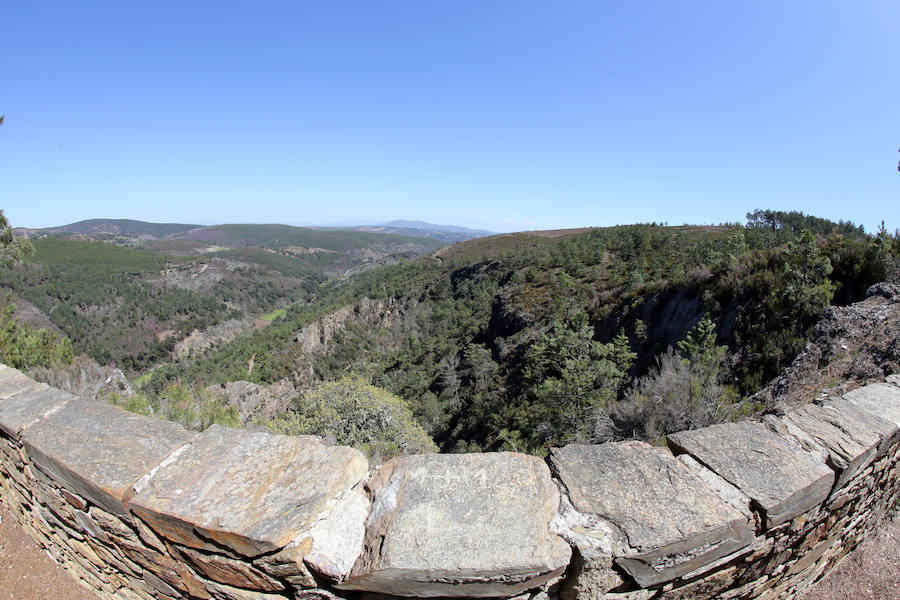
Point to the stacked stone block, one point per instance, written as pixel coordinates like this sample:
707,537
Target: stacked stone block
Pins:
140,508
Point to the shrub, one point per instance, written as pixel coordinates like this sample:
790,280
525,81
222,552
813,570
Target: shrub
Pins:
355,413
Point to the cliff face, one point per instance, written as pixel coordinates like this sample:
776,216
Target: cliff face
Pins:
370,313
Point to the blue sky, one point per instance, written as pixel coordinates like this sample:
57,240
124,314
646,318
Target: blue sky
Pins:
491,114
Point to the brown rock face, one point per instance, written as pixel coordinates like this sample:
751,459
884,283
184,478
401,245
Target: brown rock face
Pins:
460,525
251,492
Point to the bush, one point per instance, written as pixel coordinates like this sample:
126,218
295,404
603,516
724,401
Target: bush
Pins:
25,347
353,412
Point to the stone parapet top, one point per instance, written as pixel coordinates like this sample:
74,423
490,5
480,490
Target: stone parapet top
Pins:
241,513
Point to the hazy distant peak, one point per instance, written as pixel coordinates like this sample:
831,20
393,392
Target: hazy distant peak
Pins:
431,226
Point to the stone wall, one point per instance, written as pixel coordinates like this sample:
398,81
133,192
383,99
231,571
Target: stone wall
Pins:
140,508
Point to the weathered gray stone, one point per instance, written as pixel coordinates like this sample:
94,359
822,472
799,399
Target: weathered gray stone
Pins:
885,428
111,524
87,525
851,443
24,409
782,480
99,451
9,374
893,379
13,381
252,492
672,521
460,525
881,399
338,538
160,585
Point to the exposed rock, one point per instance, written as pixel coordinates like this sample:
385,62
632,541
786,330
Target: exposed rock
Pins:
338,538
859,342
881,399
851,442
99,451
254,401
672,521
229,571
315,336
780,478
226,592
13,382
28,407
252,492
460,525
288,564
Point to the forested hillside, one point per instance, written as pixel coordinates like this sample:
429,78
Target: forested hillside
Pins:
527,340
136,294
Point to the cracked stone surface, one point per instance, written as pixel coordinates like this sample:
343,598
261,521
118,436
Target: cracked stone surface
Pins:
99,451
882,399
781,478
850,438
28,407
249,491
673,522
460,525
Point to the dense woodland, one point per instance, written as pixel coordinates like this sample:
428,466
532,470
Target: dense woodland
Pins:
518,341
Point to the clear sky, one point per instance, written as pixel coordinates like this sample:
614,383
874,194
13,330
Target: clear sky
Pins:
503,115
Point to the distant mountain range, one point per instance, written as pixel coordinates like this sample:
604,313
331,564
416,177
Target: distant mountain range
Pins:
257,235
449,234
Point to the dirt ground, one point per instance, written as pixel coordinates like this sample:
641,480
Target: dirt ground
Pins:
27,573
872,572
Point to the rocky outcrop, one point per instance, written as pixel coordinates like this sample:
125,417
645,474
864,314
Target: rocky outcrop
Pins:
850,346
254,401
379,313
139,508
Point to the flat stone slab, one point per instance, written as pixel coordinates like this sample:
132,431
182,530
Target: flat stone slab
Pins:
851,437
27,408
100,451
780,478
9,375
460,525
252,492
881,399
672,521
13,382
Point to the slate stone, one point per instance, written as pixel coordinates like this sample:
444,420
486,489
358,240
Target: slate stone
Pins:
26,408
672,521
338,538
881,399
460,525
780,478
236,573
17,383
851,440
98,451
251,492
9,377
